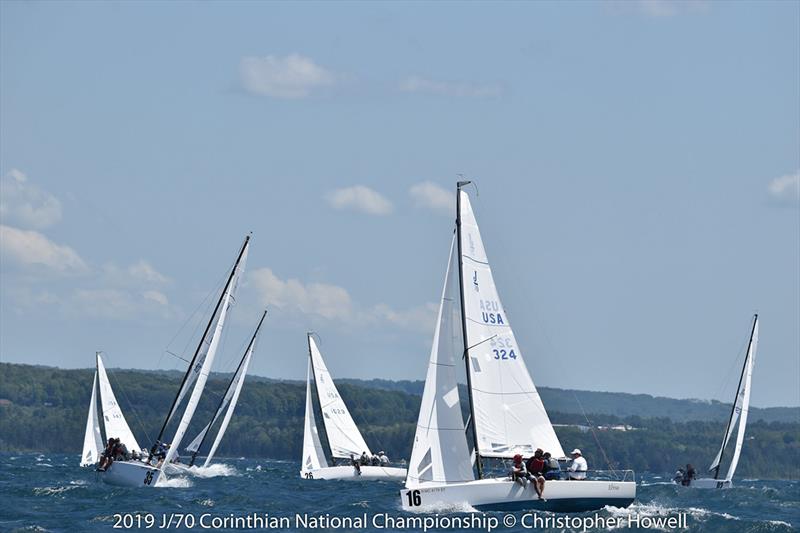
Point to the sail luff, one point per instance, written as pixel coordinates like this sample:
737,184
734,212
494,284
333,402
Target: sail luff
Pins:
440,452
205,370
92,439
508,416
734,416
313,454
201,352
241,372
743,399
113,419
344,437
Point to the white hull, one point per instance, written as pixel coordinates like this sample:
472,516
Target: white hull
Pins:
710,483
131,474
368,473
502,494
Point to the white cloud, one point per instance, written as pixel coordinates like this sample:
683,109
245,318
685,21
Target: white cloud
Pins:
360,198
28,247
786,189
319,299
433,196
293,76
25,203
156,296
144,271
416,84
332,302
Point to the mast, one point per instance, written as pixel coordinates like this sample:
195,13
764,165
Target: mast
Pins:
738,387
464,328
319,402
199,347
230,384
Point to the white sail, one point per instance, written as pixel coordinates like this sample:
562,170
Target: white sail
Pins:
440,452
313,455
740,408
237,386
205,369
343,435
113,419
92,439
510,416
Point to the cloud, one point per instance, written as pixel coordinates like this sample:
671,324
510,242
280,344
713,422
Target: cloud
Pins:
416,84
25,203
661,8
319,299
785,190
118,304
142,270
156,296
293,76
334,303
360,198
433,196
28,247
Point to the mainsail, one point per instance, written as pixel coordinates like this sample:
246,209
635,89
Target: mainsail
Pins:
740,408
343,435
509,415
212,337
92,439
229,400
440,452
313,454
113,419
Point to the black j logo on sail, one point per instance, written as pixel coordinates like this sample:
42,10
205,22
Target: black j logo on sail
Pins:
475,279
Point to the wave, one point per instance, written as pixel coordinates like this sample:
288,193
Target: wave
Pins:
174,482
49,491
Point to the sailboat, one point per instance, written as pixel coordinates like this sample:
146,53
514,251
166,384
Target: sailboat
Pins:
741,405
143,473
507,416
344,439
109,417
226,404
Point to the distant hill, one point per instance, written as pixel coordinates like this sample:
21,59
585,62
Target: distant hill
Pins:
44,409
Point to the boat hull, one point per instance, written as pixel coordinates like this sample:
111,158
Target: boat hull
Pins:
368,473
131,474
710,483
502,494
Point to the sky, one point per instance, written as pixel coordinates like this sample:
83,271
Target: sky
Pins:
636,163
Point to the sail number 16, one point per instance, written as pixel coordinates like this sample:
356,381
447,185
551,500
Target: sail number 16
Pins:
414,498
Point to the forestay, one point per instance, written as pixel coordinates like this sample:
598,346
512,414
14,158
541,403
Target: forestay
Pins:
343,435
213,336
313,454
440,452
740,408
92,439
510,416
113,419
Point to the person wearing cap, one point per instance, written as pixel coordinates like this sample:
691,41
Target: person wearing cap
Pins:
384,459
578,468
518,473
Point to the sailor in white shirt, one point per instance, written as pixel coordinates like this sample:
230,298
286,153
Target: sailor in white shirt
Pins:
578,468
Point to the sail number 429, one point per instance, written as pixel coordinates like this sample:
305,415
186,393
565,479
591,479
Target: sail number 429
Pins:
414,498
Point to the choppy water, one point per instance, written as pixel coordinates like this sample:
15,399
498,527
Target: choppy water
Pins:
51,493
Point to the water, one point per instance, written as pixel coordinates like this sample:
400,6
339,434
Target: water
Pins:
51,493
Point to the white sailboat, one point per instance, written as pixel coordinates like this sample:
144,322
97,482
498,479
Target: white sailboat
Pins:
739,410
344,438
143,473
226,404
110,418
507,416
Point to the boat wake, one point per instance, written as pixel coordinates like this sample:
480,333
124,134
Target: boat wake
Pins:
174,482
215,470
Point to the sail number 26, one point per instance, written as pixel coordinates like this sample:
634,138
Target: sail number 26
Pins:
414,498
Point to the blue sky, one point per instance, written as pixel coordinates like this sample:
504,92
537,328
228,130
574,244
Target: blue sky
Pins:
636,162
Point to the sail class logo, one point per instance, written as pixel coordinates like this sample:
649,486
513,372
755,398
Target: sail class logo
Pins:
475,280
